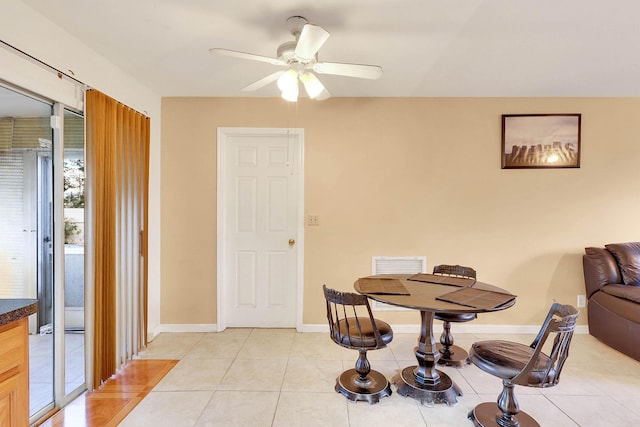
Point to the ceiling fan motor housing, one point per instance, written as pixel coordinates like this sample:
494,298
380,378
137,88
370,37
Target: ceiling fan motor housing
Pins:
295,24
287,51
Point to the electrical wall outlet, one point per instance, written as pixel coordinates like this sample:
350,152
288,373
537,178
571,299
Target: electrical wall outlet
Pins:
313,220
582,301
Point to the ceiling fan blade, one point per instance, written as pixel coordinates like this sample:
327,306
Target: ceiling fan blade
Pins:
310,41
350,70
263,81
243,55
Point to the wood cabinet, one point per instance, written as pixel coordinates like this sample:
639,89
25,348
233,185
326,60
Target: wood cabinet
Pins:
14,374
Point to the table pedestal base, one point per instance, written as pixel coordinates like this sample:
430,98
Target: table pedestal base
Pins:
446,391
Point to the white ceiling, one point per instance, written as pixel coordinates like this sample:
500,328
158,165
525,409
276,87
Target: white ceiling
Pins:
426,47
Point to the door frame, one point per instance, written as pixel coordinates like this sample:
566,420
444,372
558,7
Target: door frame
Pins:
296,135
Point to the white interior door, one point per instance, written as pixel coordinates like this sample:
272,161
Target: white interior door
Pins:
259,227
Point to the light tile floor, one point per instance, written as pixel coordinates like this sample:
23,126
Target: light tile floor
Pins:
279,377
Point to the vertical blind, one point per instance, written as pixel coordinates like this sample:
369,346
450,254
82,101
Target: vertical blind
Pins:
118,156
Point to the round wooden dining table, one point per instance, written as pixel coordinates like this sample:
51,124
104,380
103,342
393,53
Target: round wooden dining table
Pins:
423,381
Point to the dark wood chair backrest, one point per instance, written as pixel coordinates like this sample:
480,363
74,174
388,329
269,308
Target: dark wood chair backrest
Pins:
454,270
560,323
350,319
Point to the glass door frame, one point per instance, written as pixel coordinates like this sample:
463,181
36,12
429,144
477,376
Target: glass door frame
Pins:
60,397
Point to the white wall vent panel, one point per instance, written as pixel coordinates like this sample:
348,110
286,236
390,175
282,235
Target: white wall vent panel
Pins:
396,265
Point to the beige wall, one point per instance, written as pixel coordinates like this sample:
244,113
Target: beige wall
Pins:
409,176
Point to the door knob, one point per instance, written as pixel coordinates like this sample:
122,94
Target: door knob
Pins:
292,242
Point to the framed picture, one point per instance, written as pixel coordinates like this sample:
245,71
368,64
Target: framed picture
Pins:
540,141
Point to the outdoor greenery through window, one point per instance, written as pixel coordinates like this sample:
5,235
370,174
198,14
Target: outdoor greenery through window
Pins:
73,199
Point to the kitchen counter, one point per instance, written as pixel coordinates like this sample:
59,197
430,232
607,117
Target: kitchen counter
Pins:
14,360
15,309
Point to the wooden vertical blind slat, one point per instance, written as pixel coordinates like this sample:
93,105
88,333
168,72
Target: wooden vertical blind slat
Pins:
118,149
120,232
145,227
135,231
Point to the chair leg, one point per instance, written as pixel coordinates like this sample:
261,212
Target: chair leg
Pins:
362,383
450,355
509,406
363,367
506,413
446,339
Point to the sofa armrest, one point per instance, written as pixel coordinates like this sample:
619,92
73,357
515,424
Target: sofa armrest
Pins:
600,269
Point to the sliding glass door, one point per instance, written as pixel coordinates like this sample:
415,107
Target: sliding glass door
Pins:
74,214
33,134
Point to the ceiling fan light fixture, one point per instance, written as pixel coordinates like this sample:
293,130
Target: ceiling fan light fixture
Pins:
288,81
325,94
312,85
288,84
290,95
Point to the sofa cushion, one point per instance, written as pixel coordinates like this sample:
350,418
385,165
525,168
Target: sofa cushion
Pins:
601,269
631,293
628,257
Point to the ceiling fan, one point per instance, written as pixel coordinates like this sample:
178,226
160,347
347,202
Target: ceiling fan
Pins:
299,58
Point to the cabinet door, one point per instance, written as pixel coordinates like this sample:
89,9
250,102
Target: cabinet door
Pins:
14,374
13,353
13,411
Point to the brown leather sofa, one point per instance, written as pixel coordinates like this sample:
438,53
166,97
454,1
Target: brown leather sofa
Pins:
612,282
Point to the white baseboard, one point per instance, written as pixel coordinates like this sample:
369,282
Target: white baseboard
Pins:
182,328
463,328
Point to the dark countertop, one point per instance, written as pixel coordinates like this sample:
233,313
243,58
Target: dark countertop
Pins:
15,309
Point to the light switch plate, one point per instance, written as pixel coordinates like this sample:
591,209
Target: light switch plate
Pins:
582,301
313,220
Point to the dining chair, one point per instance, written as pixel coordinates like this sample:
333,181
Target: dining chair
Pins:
519,364
352,325
450,354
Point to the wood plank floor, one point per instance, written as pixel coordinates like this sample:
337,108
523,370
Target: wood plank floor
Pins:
110,404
